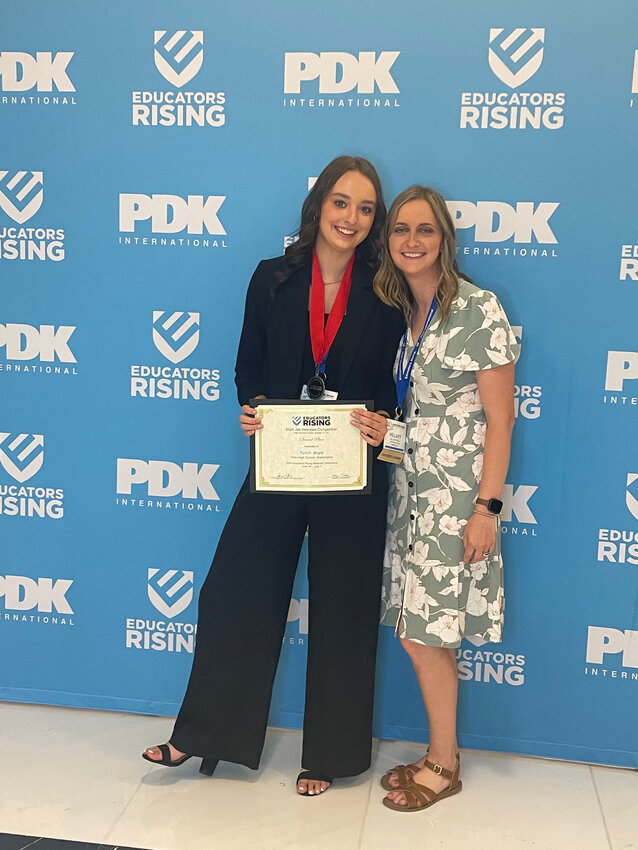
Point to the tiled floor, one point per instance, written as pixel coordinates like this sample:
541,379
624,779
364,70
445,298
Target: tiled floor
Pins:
77,775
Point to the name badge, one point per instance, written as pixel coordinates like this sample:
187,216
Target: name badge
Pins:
394,442
328,395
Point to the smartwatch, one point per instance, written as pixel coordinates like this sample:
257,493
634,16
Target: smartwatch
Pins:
494,506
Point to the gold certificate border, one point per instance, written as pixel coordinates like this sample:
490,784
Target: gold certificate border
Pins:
262,485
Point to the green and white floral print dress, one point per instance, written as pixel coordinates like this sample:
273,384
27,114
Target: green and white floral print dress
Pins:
429,595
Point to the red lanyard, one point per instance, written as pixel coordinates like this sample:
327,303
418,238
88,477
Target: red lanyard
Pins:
322,337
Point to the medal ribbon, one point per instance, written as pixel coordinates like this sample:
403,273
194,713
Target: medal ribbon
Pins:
404,371
321,338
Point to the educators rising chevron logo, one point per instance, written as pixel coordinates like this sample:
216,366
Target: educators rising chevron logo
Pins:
179,56
21,455
631,494
620,545
175,335
171,592
21,194
516,55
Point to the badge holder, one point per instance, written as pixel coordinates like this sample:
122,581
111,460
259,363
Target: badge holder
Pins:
394,440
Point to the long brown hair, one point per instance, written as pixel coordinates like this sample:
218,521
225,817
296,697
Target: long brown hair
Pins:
300,252
390,284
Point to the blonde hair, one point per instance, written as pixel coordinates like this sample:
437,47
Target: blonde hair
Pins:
390,284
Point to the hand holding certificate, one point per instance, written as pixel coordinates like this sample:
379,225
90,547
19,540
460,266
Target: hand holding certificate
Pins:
309,448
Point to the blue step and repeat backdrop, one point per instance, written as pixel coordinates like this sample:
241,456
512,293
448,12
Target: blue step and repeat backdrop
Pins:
152,153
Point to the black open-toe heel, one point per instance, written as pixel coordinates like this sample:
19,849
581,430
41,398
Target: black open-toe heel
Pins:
166,760
208,766
312,776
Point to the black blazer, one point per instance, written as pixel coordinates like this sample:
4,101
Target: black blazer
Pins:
271,347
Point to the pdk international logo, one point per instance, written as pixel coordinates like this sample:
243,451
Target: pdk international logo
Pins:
170,592
621,379
612,653
35,600
44,349
296,622
21,197
171,221
176,337
179,58
620,545
166,485
517,516
21,458
339,80
522,229
40,79
514,56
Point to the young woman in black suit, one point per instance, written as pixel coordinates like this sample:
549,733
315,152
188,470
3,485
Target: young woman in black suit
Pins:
244,601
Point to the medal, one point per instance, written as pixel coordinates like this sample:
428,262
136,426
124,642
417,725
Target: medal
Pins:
316,386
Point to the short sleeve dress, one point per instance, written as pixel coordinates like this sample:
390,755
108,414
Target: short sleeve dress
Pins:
429,594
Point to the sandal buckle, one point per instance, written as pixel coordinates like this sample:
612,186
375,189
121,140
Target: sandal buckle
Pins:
437,769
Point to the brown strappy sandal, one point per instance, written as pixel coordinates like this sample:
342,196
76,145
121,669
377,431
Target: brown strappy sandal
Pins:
405,774
407,777
419,797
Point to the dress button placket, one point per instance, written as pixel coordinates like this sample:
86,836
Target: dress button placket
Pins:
412,524
410,537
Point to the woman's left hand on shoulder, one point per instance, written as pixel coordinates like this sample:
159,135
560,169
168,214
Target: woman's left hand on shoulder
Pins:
373,426
479,538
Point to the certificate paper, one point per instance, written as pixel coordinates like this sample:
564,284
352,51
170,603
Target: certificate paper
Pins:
309,448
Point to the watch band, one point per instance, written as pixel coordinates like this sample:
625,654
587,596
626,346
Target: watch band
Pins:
494,506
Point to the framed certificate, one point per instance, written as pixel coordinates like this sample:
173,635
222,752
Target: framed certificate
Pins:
309,447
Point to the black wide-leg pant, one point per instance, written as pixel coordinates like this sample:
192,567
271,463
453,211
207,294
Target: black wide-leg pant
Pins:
243,608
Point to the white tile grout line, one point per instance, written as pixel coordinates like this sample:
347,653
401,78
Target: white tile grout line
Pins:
365,817
370,784
123,811
600,806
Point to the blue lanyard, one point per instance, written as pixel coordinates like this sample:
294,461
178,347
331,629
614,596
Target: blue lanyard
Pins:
404,371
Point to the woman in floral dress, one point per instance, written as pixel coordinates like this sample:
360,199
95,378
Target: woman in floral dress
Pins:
443,568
